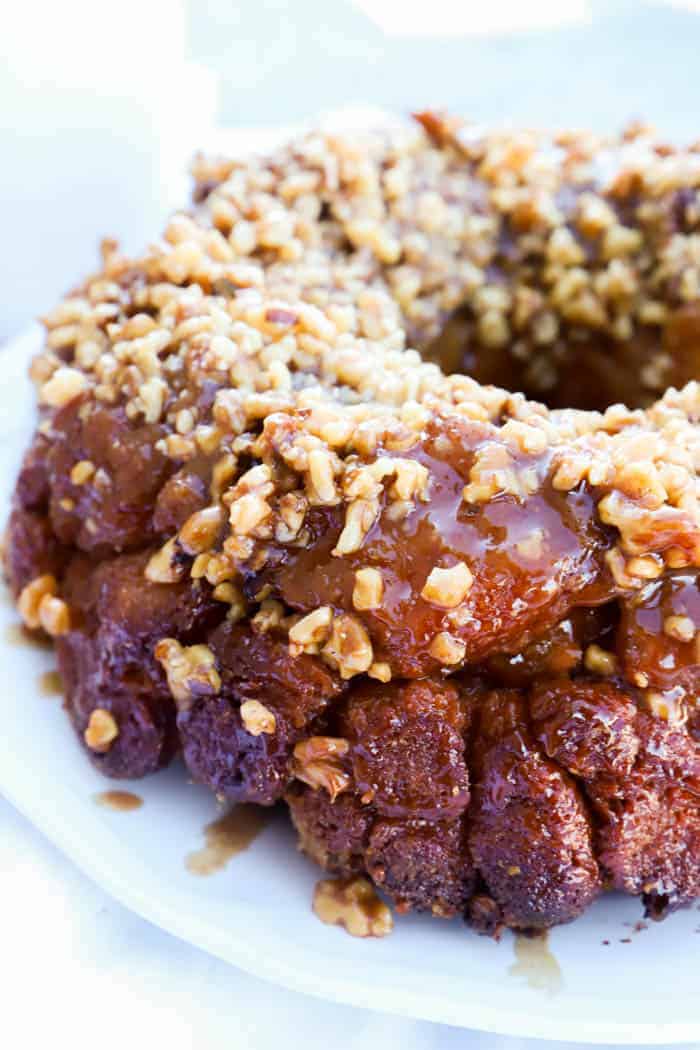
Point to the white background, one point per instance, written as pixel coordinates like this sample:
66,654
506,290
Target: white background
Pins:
100,104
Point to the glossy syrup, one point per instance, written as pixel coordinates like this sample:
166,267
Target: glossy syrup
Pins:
226,837
50,683
120,801
535,962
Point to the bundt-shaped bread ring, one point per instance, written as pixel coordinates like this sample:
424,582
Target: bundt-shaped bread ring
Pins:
275,514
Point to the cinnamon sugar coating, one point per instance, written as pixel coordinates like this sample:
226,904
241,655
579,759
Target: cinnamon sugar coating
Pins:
291,528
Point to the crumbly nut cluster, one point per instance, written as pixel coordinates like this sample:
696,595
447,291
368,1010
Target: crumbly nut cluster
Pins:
354,904
342,640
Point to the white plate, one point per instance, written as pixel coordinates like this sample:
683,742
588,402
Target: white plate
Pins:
256,913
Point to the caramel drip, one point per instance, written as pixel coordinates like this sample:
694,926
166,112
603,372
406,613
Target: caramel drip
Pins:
50,683
535,962
121,801
226,837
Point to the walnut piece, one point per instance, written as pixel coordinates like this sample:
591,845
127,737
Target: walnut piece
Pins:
448,587
318,762
354,904
65,384
257,718
309,633
200,531
348,648
54,615
368,590
600,661
360,516
102,730
82,472
447,650
380,670
680,628
190,670
165,566
39,607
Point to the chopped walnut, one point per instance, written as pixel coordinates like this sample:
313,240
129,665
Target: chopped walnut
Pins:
54,616
233,597
354,904
248,512
448,588
270,614
380,670
82,472
65,384
368,590
348,648
190,670
665,706
318,763
360,516
32,598
680,628
257,718
201,530
166,565
308,634
102,730
411,480
321,473
249,507
447,649
599,661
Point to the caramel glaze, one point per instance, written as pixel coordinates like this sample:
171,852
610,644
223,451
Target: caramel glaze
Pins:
226,837
648,646
120,801
535,962
50,683
532,558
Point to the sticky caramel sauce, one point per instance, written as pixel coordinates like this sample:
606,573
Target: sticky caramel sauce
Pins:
535,962
120,801
50,683
226,837
528,557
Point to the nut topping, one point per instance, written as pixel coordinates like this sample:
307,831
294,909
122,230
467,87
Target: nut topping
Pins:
190,670
257,718
348,648
166,565
354,904
102,730
39,606
448,588
369,589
